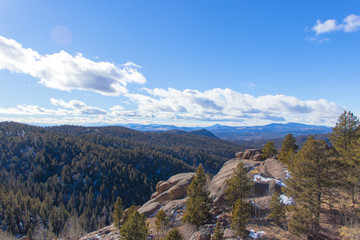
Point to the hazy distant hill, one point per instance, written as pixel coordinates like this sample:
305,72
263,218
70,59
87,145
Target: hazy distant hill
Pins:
271,131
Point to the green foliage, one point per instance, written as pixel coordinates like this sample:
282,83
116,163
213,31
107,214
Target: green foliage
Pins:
238,185
161,221
135,227
87,168
312,177
277,209
198,205
240,217
118,214
344,138
288,149
174,234
218,232
268,150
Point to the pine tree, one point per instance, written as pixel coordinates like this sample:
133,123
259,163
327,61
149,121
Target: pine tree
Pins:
161,221
218,232
344,138
311,176
268,150
198,205
118,214
239,218
288,149
238,185
174,234
135,227
277,209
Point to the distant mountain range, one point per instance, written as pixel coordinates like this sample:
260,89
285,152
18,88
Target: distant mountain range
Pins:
271,131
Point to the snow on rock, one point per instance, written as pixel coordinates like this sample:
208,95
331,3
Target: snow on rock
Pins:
286,200
256,235
259,178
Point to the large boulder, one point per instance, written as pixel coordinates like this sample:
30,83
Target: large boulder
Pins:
204,233
218,183
239,155
106,233
172,189
273,168
250,153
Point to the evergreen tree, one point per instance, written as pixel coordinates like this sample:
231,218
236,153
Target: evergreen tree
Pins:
198,205
268,150
118,214
277,209
135,227
239,218
288,149
161,221
344,138
218,232
311,176
174,234
238,185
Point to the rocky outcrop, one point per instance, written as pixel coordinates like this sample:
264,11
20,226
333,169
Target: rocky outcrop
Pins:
171,195
273,168
106,233
218,183
250,154
204,233
172,189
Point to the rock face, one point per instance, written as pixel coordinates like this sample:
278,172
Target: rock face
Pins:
250,154
273,168
172,189
218,183
204,233
106,233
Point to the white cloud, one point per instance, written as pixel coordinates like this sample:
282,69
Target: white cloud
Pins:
231,106
325,27
78,107
67,72
350,24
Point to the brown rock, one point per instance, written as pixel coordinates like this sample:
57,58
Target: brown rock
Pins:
239,155
218,183
250,153
258,157
228,234
24,238
204,233
149,208
273,168
106,233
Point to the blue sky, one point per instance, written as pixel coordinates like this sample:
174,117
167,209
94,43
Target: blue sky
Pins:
186,63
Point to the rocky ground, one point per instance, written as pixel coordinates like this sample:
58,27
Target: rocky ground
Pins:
170,195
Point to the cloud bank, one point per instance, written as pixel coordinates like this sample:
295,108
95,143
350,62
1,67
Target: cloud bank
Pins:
66,72
349,24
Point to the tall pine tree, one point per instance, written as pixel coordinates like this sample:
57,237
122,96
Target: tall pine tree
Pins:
277,209
311,176
118,214
239,218
269,150
238,185
288,149
344,138
135,227
198,205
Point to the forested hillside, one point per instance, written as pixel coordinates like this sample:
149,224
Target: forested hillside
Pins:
52,175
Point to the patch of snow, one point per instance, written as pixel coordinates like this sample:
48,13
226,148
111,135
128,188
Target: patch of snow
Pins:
287,174
286,200
259,178
256,235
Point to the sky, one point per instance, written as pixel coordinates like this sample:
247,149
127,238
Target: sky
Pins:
183,63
